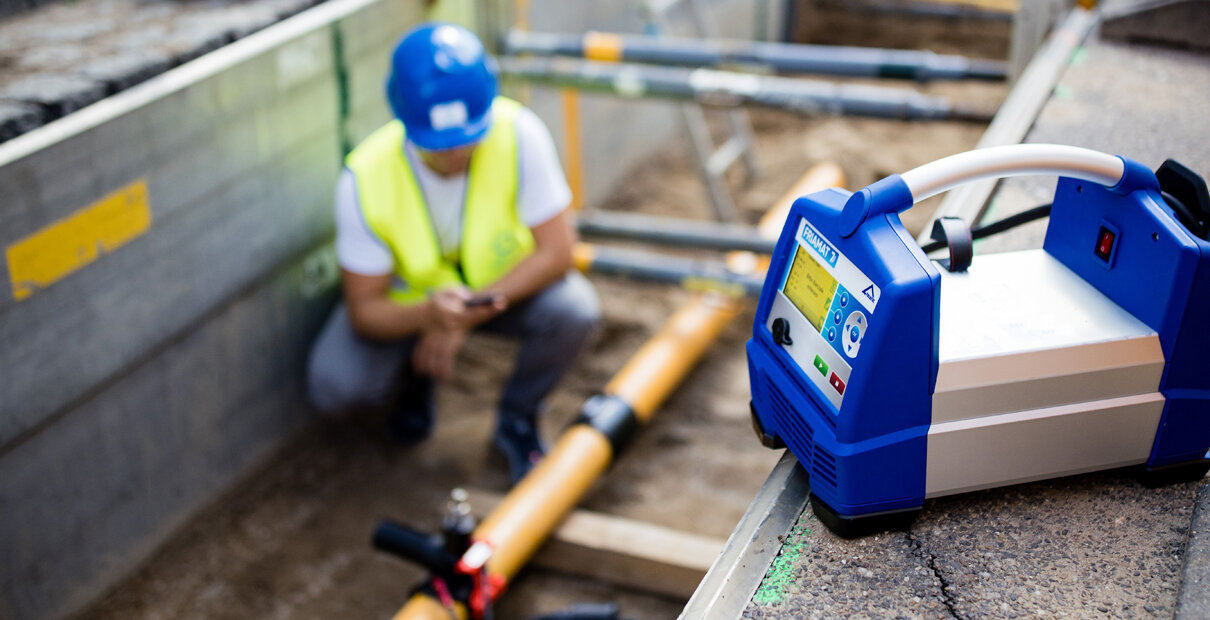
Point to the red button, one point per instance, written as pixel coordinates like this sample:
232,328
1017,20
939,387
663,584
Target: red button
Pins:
1105,243
837,383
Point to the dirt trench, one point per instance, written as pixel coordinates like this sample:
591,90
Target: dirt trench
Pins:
292,541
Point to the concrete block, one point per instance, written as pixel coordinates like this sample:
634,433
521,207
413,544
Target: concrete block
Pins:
86,329
58,58
149,37
88,499
287,8
71,31
185,44
121,71
221,126
17,118
233,21
57,94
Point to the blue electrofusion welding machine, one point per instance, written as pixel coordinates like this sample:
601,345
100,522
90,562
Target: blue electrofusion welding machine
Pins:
893,378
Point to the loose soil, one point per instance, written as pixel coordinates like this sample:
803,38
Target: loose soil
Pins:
292,541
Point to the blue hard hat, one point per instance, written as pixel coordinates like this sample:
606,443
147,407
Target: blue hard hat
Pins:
441,86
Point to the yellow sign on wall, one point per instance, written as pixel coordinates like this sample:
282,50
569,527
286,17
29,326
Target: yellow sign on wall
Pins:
66,246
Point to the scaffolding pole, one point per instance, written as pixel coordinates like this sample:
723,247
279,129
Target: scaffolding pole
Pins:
729,89
779,57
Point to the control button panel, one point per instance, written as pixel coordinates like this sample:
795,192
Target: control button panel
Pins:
846,323
827,304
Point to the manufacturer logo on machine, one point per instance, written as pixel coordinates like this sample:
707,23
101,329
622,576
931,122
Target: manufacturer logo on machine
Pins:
816,242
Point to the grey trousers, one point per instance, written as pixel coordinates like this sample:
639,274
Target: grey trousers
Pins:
347,371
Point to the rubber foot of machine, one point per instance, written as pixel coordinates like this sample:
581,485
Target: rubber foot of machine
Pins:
1190,471
847,526
767,439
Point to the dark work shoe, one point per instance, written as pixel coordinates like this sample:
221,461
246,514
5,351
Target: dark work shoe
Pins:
517,438
411,417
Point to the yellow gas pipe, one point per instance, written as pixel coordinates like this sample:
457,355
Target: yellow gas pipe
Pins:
511,534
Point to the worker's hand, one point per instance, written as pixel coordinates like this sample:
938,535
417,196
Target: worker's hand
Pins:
459,308
434,353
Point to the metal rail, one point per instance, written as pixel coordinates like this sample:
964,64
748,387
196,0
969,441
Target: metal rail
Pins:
779,57
723,88
737,572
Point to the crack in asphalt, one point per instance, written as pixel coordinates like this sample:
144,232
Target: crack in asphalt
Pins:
930,559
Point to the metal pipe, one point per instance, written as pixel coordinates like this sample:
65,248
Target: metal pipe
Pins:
779,57
511,534
690,273
723,88
989,10
673,231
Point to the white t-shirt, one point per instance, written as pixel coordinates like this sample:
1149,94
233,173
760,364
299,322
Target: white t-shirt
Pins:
542,193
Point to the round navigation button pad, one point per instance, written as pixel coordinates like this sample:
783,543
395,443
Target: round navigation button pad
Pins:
854,331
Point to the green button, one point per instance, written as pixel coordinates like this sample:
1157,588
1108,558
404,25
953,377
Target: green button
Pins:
821,366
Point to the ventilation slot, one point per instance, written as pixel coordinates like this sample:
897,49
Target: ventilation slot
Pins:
788,420
823,468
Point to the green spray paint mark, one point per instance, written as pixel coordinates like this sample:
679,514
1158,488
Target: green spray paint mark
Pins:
781,573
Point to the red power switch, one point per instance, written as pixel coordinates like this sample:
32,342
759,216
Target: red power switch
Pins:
1105,241
837,383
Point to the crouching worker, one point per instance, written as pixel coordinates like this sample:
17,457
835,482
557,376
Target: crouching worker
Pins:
449,219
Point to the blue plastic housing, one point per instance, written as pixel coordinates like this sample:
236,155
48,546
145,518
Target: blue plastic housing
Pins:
858,463
1160,273
869,455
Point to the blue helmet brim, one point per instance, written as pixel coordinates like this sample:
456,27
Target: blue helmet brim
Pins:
454,137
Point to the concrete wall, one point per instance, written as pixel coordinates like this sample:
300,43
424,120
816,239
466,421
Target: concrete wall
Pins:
138,386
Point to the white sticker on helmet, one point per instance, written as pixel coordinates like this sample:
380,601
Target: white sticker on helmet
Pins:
448,115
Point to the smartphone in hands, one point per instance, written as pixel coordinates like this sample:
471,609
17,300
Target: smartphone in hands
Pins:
483,300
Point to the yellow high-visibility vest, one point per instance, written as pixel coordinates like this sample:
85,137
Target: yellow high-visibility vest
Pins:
494,239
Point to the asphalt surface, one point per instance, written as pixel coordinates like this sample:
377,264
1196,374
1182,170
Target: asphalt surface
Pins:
1085,546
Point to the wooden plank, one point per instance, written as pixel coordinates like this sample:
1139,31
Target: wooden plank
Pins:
621,551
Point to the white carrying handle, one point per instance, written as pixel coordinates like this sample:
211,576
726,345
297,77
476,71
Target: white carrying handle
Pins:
1011,161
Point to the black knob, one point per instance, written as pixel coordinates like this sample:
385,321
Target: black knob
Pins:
781,332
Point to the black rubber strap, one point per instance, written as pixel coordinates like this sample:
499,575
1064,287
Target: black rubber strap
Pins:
956,236
612,417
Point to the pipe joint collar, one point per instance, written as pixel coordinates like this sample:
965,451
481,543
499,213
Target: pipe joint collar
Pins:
612,417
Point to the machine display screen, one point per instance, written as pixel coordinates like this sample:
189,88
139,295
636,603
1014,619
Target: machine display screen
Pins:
809,287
